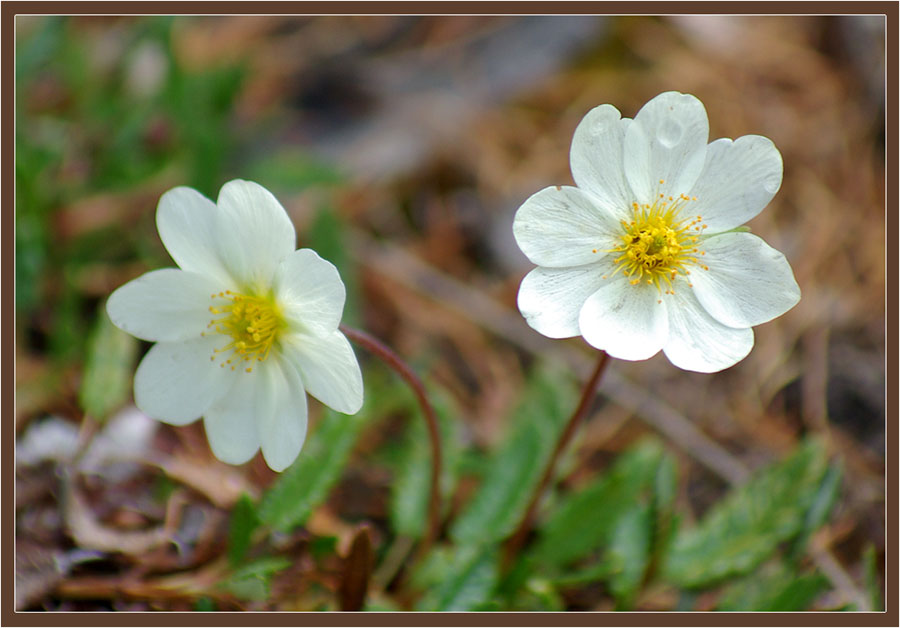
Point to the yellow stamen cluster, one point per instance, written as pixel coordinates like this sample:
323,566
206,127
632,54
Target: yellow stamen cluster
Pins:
659,243
252,323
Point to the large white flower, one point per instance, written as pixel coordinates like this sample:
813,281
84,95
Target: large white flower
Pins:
643,255
244,328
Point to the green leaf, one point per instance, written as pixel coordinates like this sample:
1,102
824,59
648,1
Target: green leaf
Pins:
629,552
873,588
306,483
108,368
252,581
587,519
774,588
244,521
537,594
411,488
597,572
457,579
818,512
515,469
205,604
744,528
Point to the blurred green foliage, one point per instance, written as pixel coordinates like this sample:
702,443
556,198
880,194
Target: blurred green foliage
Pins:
307,482
119,116
745,528
108,367
411,486
513,471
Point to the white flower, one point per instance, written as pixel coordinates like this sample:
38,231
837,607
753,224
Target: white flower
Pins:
644,254
244,328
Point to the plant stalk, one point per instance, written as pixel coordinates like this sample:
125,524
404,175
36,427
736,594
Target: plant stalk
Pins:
394,361
518,537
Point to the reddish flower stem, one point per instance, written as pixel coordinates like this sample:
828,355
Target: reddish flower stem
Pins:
394,361
517,539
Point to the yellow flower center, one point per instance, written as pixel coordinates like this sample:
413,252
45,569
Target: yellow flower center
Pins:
252,323
659,243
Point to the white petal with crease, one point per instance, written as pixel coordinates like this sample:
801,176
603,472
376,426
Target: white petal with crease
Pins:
597,160
551,299
282,414
626,321
737,182
748,282
187,223
176,381
697,341
564,227
666,142
310,291
232,423
163,305
328,368
253,233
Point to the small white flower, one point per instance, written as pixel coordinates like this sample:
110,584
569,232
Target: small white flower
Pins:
643,255
244,328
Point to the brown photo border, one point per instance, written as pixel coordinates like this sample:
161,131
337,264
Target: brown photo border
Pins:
10,617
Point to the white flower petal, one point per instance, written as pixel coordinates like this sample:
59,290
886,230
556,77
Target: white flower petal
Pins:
176,381
628,322
163,305
597,160
253,233
551,299
666,142
186,221
563,227
328,368
697,341
737,182
231,423
310,292
748,282
282,414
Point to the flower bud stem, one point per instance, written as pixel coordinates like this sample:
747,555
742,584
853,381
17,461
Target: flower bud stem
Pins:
394,361
518,537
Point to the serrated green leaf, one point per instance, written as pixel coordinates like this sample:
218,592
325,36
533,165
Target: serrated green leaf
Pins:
744,528
774,588
244,521
586,520
458,579
306,483
108,368
515,469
